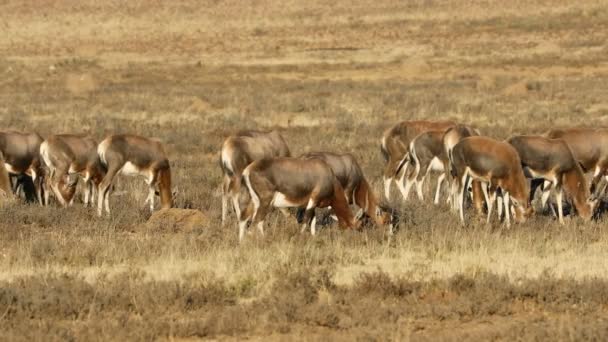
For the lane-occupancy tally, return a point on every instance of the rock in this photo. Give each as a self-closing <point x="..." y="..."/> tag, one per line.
<point x="177" y="220"/>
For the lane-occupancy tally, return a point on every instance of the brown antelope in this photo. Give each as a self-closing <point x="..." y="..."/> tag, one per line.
<point x="589" y="147"/>
<point x="451" y="137"/>
<point x="426" y="154"/>
<point x="240" y="150"/>
<point x="294" y="183"/>
<point x="134" y="155"/>
<point x="20" y="153"/>
<point x="553" y="161"/>
<point x="395" y="146"/>
<point x="356" y="188"/>
<point x="497" y="165"/>
<point x="67" y="156"/>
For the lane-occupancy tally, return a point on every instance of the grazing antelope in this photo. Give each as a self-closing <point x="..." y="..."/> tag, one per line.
<point x="134" y="155"/>
<point x="426" y="154"/>
<point x="395" y="146"/>
<point x="356" y="188"/>
<point x="20" y="153"/>
<point x="240" y="150"/>
<point x="553" y="161"/>
<point x="294" y="183"/>
<point x="67" y="156"/>
<point x="497" y="165"/>
<point x="589" y="147"/>
<point x="451" y="137"/>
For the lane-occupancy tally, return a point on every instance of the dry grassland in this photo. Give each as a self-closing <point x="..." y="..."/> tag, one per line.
<point x="331" y="75"/>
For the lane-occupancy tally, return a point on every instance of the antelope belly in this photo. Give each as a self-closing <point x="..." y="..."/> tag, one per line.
<point x="279" y="200"/>
<point x="129" y="169"/>
<point x="436" y="165"/>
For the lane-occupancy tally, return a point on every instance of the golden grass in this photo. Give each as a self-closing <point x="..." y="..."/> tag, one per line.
<point x="330" y="77"/>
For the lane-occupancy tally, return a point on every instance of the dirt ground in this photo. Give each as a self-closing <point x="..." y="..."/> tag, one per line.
<point x="330" y="76"/>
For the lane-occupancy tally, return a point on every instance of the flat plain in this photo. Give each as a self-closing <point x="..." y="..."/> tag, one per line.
<point x="330" y="76"/>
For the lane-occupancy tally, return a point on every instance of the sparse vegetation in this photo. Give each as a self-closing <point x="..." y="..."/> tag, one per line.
<point x="330" y="77"/>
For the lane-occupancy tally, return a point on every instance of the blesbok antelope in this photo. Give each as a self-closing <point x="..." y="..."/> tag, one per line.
<point x="134" y="155"/>
<point x="20" y="153"/>
<point x="553" y="161"/>
<point x="451" y="137"/>
<point x="357" y="190"/>
<point x="426" y="154"/>
<point x="240" y="150"/>
<point x="395" y="146"/>
<point x="294" y="183"/>
<point x="68" y="156"/>
<point x="497" y="165"/>
<point x="589" y="147"/>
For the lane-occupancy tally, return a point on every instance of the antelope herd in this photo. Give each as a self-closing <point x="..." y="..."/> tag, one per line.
<point x="260" y="173"/>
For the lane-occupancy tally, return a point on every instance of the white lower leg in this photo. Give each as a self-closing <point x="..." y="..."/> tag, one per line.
<point x="491" y="200"/>
<point x="499" y="206"/>
<point x="560" y="210"/>
<point x="107" y="201"/>
<point x="313" y="226"/>
<point x="150" y="198"/>
<point x="100" y="200"/>
<point x="438" y="190"/>
<point x="261" y="227"/>
<point x="460" y="201"/>
<point x="419" y="184"/>
<point x="454" y="194"/>
<point x="506" y="200"/>
<point x="87" y="193"/>
<point x="242" y="229"/>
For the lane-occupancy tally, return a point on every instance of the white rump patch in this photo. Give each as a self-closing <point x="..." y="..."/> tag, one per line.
<point x="101" y="150"/>
<point x="44" y="152"/>
<point x="279" y="200"/>
<point x="226" y="160"/>
<point x="450" y="142"/>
